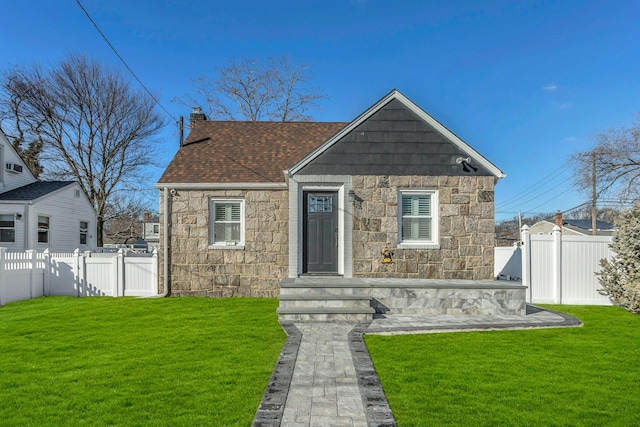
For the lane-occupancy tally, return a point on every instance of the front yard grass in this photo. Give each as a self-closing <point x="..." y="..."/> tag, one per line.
<point x="587" y="376"/>
<point x="139" y="362"/>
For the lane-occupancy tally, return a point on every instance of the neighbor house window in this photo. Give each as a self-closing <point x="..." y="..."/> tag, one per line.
<point x="227" y="222"/>
<point x="7" y="228"/>
<point x="418" y="222"/>
<point x="43" y="229"/>
<point x="84" y="232"/>
<point x="156" y="229"/>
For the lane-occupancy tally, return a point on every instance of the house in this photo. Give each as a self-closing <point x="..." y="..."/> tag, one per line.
<point x="151" y="230"/>
<point x="393" y="194"/>
<point x="572" y="227"/>
<point x="54" y="215"/>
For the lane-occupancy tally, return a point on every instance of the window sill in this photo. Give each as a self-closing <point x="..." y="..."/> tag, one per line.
<point x="218" y="246"/>
<point x="418" y="246"/>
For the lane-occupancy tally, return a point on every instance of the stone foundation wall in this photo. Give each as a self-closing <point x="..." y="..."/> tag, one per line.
<point x="466" y="215"/>
<point x="255" y="271"/>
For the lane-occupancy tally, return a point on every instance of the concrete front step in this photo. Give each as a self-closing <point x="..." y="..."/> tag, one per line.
<point x="328" y="301"/>
<point x="325" y="314"/>
<point x="312" y="289"/>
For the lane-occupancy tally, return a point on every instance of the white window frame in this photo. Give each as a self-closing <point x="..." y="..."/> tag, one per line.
<point x="13" y="217"/>
<point x="434" y="242"/>
<point x="84" y="231"/>
<point x="213" y="244"/>
<point x="38" y="230"/>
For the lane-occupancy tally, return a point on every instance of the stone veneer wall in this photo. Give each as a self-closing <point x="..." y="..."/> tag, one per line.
<point x="466" y="215"/>
<point x="255" y="271"/>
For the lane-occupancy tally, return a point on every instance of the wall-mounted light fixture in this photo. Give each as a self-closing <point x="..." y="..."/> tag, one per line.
<point x="466" y="164"/>
<point x="351" y="195"/>
<point x="18" y="216"/>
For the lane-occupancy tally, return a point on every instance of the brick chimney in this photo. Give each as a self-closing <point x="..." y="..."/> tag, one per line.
<point x="146" y="217"/>
<point x="196" y="116"/>
<point x="559" y="219"/>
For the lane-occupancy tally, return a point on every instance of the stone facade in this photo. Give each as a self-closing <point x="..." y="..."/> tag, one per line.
<point x="466" y="215"/>
<point x="252" y="271"/>
<point x="466" y="236"/>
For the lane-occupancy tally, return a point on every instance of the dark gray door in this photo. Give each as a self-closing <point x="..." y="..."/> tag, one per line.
<point x="320" y="232"/>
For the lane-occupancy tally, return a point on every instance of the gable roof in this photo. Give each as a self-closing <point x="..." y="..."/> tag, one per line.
<point x="421" y="114"/>
<point x="244" y="152"/>
<point x="34" y="190"/>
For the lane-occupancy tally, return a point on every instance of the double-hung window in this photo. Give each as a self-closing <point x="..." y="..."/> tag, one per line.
<point x="84" y="232"/>
<point x="227" y="222"/>
<point x="417" y="217"/>
<point x="43" y="229"/>
<point x="7" y="228"/>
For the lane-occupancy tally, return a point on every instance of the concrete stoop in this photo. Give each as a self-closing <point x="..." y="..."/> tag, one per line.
<point x="336" y="299"/>
<point x="323" y="301"/>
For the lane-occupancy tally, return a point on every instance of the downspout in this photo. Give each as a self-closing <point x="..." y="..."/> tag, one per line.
<point x="165" y="238"/>
<point x="26" y="218"/>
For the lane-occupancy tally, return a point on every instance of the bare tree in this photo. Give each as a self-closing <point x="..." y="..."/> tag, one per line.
<point x="28" y="146"/>
<point x="122" y="218"/>
<point x="612" y="165"/>
<point x="92" y="125"/>
<point x="248" y="89"/>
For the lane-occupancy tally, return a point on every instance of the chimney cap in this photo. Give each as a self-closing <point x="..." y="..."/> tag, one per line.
<point x="196" y="109"/>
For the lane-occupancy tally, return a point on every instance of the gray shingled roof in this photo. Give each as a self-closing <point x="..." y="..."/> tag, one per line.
<point x="34" y="190"/>
<point x="586" y="224"/>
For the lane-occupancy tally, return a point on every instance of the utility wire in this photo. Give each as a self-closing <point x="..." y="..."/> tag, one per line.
<point x="123" y="61"/>
<point x="536" y="186"/>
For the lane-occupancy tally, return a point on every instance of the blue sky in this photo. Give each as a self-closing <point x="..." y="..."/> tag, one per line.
<point x="526" y="83"/>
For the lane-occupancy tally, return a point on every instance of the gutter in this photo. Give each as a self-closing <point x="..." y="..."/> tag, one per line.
<point x="165" y="241"/>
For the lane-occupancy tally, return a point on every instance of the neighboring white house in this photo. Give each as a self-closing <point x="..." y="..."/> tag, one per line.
<point x="151" y="230"/>
<point x="54" y="215"/>
<point x="572" y="227"/>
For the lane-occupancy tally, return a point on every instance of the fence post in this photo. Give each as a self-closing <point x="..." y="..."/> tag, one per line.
<point x="525" y="235"/>
<point x="76" y="271"/>
<point x="2" y="273"/>
<point x="46" y="258"/>
<point x="119" y="291"/>
<point x="31" y="256"/>
<point x="556" y="264"/>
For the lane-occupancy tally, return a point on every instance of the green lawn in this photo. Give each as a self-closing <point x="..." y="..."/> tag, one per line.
<point x="587" y="376"/>
<point x="145" y="362"/>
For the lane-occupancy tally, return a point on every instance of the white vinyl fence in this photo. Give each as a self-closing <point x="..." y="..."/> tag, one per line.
<point x="32" y="274"/>
<point x="557" y="268"/>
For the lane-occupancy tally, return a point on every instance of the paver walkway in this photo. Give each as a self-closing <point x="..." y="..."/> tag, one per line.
<point x="324" y="389"/>
<point x="325" y="377"/>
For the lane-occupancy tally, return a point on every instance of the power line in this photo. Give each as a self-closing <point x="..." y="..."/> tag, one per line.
<point x="534" y="187"/>
<point x="123" y="61"/>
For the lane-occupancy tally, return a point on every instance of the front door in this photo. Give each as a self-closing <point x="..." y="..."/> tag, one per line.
<point x="320" y="232"/>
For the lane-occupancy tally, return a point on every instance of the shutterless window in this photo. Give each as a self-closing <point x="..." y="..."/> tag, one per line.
<point x="84" y="232"/>
<point x="43" y="229"/>
<point x="227" y="222"/>
<point x="417" y="218"/>
<point x="7" y="228"/>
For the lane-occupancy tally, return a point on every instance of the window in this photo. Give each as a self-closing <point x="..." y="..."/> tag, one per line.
<point x="84" y="231"/>
<point x="7" y="228"/>
<point x="227" y="225"/>
<point x="43" y="229"/>
<point x="156" y="229"/>
<point x="418" y="224"/>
